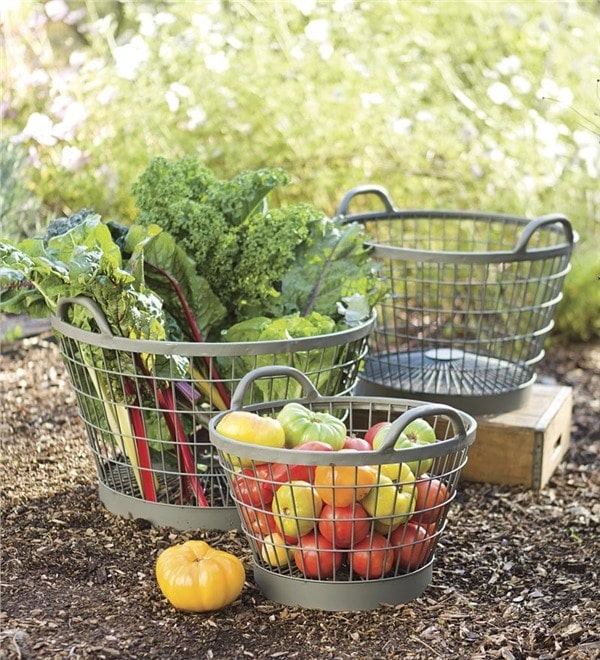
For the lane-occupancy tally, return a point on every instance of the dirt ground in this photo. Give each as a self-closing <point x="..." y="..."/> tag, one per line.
<point x="515" y="576"/>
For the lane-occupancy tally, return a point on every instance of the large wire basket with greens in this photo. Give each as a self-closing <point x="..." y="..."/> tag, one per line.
<point x="158" y="319"/>
<point x="146" y="406"/>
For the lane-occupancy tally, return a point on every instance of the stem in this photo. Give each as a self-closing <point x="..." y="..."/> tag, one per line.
<point x="167" y="402"/>
<point x="141" y="445"/>
<point x="213" y="374"/>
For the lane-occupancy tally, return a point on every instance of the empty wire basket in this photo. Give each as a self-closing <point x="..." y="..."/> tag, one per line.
<point x="471" y="302"/>
<point x="346" y="530"/>
<point x="146" y="407"/>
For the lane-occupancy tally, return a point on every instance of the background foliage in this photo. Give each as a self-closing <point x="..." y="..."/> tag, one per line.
<point x="480" y="105"/>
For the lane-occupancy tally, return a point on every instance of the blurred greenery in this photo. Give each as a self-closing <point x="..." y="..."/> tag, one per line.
<point x="480" y="105"/>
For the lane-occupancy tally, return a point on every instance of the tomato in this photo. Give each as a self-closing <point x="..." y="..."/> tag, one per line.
<point x="356" y="443"/>
<point x="303" y="425"/>
<point x="432" y="498"/>
<point x="195" y="577"/>
<point x="372" y="557"/>
<point x="342" y="485"/>
<point x="316" y="557"/>
<point x="344" y="526"/>
<point x="296" y="507"/>
<point x="412" y="544"/>
<point x="275" y="551"/>
<point x="250" y="490"/>
<point x="373" y="430"/>
<point x="257" y="523"/>
<point x="250" y="428"/>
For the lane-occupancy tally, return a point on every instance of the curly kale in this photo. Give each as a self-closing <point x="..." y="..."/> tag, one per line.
<point x="240" y="247"/>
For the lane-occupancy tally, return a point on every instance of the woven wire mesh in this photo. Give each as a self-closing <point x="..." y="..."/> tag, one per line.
<point x="146" y="406"/>
<point x="468" y="312"/>
<point x="292" y="542"/>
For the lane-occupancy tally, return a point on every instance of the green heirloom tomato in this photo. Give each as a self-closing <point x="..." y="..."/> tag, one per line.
<point x="304" y="425"/>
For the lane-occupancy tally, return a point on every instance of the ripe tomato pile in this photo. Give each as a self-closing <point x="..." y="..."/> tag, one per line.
<point x="336" y="521"/>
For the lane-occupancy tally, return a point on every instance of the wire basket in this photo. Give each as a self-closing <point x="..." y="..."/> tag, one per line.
<point x="345" y="530"/>
<point x="146" y="407"/>
<point x="471" y="301"/>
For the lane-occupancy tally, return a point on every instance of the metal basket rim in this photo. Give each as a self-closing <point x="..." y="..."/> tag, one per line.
<point x="444" y="447"/>
<point x="213" y="349"/>
<point x="451" y="256"/>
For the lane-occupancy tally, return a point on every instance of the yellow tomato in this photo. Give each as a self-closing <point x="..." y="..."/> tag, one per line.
<point x="195" y="577"/>
<point x="250" y="428"/>
<point x="342" y="485"/>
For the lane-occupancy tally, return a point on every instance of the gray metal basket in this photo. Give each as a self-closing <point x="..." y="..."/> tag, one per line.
<point x="472" y="299"/>
<point x="339" y="584"/>
<point x="146" y="407"/>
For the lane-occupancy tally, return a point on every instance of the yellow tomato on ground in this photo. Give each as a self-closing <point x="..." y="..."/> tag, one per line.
<point x="196" y="577"/>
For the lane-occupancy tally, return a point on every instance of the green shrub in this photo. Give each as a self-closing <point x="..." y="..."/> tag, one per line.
<point x="413" y="96"/>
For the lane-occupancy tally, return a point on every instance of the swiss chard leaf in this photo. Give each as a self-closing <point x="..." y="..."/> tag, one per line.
<point x="164" y="267"/>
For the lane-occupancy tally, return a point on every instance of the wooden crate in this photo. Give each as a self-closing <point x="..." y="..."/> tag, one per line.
<point x="523" y="447"/>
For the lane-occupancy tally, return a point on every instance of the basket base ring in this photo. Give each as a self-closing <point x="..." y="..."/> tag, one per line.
<point x="342" y="596"/>
<point x="182" y="518"/>
<point x="476" y="405"/>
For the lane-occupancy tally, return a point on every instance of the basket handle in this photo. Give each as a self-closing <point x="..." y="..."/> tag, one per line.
<point x="64" y="303"/>
<point x="310" y="392"/>
<point x="542" y="221"/>
<point x="426" y="410"/>
<point x="368" y="189"/>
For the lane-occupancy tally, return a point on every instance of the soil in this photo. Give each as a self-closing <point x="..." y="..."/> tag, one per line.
<point x="515" y="575"/>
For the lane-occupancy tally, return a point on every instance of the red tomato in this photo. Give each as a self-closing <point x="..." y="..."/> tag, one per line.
<point x="250" y="490"/>
<point x="280" y="473"/>
<point x="308" y="471"/>
<point x="372" y="558"/>
<point x="372" y="432"/>
<point x="316" y="558"/>
<point x="258" y="523"/>
<point x="344" y="526"/>
<point x="356" y="443"/>
<point x="432" y="498"/>
<point x="412" y="544"/>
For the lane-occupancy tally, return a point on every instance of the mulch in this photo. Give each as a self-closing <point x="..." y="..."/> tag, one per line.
<point x="515" y="575"/>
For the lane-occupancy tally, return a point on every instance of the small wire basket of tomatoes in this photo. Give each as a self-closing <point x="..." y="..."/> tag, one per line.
<point x="343" y="500"/>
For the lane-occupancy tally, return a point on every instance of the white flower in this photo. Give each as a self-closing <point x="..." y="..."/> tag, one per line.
<point x="164" y="18"/>
<point x="73" y="115"/>
<point x="369" y="99"/>
<point x="129" y="57"/>
<point x="305" y="7"/>
<point x="401" y="125"/>
<point x="39" y="128"/>
<point x="217" y="62"/>
<point x="72" y="158"/>
<point x="196" y="117"/>
<point x="499" y="93"/>
<point x="521" y="84"/>
<point x="509" y="65"/>
<point x="341" y="6"/>
<point x="107" y="95"/>
<point x="172" y="100"/>
<point x="550" y="90"/>
<point x="326" y="51"/>
<point x="317" y="30"/>
<point x="56" y="10"/>
<point x="588" y="151"/>
<point x="425" y="115"/>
